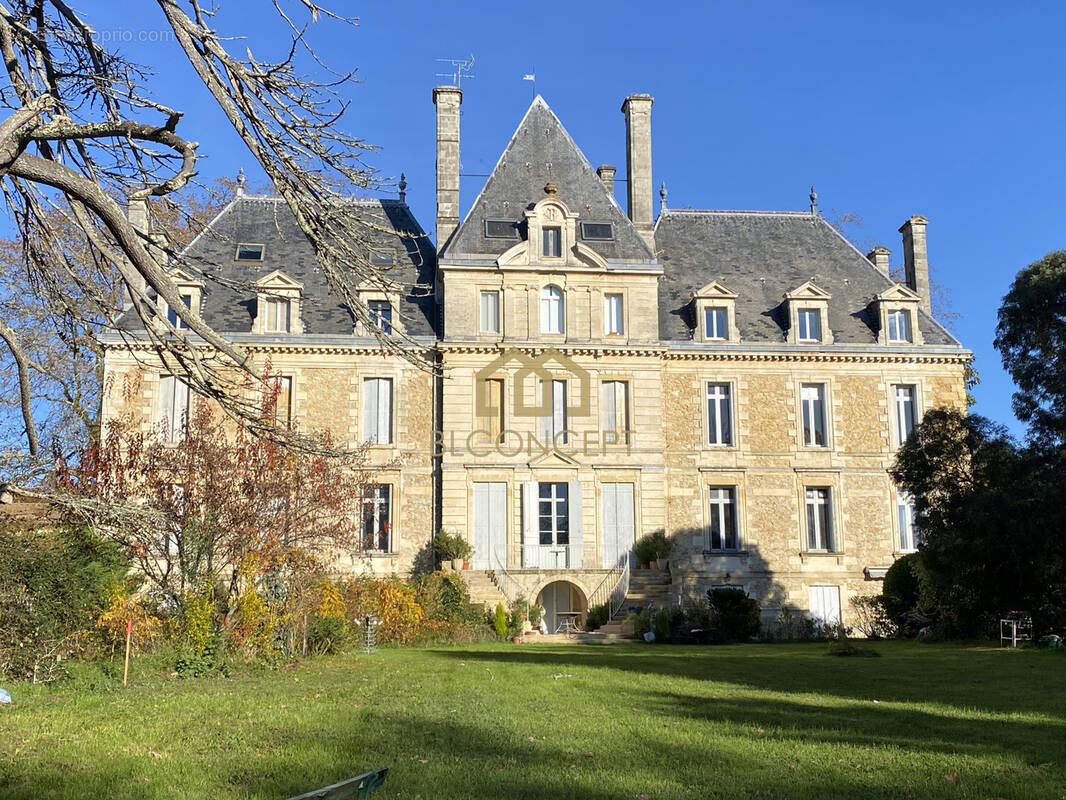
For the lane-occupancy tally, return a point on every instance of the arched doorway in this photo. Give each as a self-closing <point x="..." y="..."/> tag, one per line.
<point x="561" y="599"/>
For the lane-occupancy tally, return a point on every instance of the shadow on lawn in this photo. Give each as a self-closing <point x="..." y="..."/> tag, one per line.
<point x="992" y="680"/>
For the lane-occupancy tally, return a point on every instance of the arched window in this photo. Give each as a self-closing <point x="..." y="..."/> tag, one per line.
<point x="551" y="310"/>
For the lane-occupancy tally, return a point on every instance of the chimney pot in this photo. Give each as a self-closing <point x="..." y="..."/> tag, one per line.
<point x="447" y="99"/>
<point x="916" y="259"/>
<point x="879" y="258"/>
<point x="606" y="173"/>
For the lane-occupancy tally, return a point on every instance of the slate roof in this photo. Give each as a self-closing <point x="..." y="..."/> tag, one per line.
<point x="540" y="151"/>
<point x="268" y="221"/>
<point x="760" y="256"/>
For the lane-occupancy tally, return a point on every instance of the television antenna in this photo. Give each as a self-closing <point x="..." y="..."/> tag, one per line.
<point x="460" y="69"/>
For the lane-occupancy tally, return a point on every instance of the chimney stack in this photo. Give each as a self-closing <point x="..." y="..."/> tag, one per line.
<point x="606" y="173"/>
<point x="879" y="258"/>
<point x="637" y="109"/>
<point x="447" y="99"/>
<point x="916" y="259"/>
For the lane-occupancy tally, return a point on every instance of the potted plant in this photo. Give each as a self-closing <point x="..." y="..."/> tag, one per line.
<point x="664" y="547"/>
<point x="452" y="549"/>
<point x="536" y="615"/>
<point x="645" y="551"/>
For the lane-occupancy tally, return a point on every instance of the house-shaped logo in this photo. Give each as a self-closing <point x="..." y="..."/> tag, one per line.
<point x="538" y="367"/>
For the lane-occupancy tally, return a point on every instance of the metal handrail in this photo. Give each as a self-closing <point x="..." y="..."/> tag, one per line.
<point x="500" y="572"/>
<point x="613" y="597"/>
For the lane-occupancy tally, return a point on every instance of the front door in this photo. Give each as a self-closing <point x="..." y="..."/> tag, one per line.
<point x="616" y="500"/>
<point x="490" y="525"/>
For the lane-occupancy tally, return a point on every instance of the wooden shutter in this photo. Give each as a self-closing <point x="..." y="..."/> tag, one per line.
<point x="576" y="554"/>
<point x="609" y="503"/>
<point x="482" y="542"/>
<point x="546" y="423"/>
<point x="166" y="407"/>
<point x="370" y="410"/>
<point x="625" y="516"/>
<point x="384" y="411"/>
<point x="530" y="529"/>
<point x="559" y="408"/>
<point x="498" y="523"/>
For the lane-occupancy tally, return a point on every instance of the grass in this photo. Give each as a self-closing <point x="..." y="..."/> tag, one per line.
<point x="546" y="721"/>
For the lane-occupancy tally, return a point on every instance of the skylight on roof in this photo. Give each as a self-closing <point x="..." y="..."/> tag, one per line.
<point x="501" y="229"/>
<point x="249" y="252"/>
<point x="597" y="231"/>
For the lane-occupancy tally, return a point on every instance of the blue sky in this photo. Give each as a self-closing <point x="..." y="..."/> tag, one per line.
<point x="952" y="110"/>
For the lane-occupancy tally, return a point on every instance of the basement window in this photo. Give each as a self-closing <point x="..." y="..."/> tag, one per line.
<point x="501" y="229"/>
<point x="597" y="231"/>
<point x="249" y="252"/>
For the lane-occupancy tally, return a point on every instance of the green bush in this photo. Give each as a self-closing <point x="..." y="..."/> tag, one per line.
<point x="661" y="627"/>
<point x="736" y="616"/>
<point x="871" y="618"/>
<point x="449" y="546"/>
<point x="499" y="622"/>
<point x="655" y="546"/>
<point x="327" y="635"/>
<point x="445" y="598"/>
<point x="597" y="616"/>
<point x="900" y="594"/>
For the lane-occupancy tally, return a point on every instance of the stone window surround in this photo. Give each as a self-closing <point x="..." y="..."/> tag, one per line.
<point x="604" y="291"/>
<point x="501" y="314"/>
<point x="808" y="296"/>
<point x="387" y="477"/>
<point x="713" y="295"/>
<point x="278" y="286"/>
<point x="711" y="478"/>
<point x="890" y="392"/>
<point x="814" y="479"/>
<point x="368" y="294"/>
<point x="898" y="298"/>
<point x="826" y="382"/>
<point x="385" y="451"/>
<point x="705" y="433"/>
<point x="894" y="499"/>
<point x="186" y="285"/>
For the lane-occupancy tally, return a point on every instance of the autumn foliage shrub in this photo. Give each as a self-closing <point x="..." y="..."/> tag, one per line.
<point x="388" y="600"/>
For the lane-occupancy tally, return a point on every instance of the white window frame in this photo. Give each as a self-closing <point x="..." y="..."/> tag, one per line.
<point x="824" y="541"/>
<point x="717" y="415"/>
<point x="719" y="499"/>
<point x="803" y="320"/>
<point x="614" y="411"/>
<point x="372" y="498"/>
<point x="552" y="309"/>
<point x="489" y="311"/>
<point x="901" y="416"/>
<point x="272" y="320"/>
<point x="895" y="334"/>
<point x="382" y="322"/>
<point x="716" y="323"/>
<point x="551" y="240"/>
<point x="175" y="321"/>
<point x="284" y="387"/>
<point x="377" y="410"/>
<point x="559" y="509"/>
<point x="555" y="424"/>
<point x="908" y="535"/>
<point x="613" y="314"/>
<point x="814" y="404"/>
<point x="175" y="396"/>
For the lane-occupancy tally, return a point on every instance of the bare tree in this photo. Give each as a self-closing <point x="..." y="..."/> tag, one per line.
<point x="83" y="134"/>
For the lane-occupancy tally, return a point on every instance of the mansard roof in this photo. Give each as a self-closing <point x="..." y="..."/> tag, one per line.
<point x="541" y="151"/>
<point x="762" y="256"/>
<point x="229" y="299"/>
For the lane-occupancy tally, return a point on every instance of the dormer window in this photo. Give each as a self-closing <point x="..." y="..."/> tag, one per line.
<point x="553" y="242"/>
<point x="278" y="304"/>
<point x="249" y="252"/>
<point x="810" y="325"/>
<point x="172" y="315"/>
<point x="278" y="315"/>
<point x="551" y="310"/>
<point x="381" y="315"/>
<point x="716" y="323"/>
<point x="899" y="327"/>
<point x="190" y="290"/>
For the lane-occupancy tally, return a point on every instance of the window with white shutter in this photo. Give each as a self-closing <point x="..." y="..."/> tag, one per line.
<point x="614" y="411"/>
<point x="555" y="425"/>
<point x="377" y="410"/>
<point x="173" y="408"/>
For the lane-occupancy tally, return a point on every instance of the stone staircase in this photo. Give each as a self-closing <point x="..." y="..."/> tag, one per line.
<point x="647" y="587"/>
<point x="482" y="589"/>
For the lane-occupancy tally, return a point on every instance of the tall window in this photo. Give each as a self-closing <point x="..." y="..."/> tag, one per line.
<point x="173" y="408"/>
<point x="493" y="425"/>
<point x="381" y="315"/>
<point x="551" y="310"/>
<point x="612" y="315"/>
<point x="908" y="535"/>
<point x="552" y="242"/>
<point x="906" y="408"/>
<point x="555" y="425"/>
<point x="899" y="326"/>
<point x="553" y="513"/>
<point x="719" y="414"/>
<point x="813" y="406"/>
<point x="377" y="517"/>
<point x="614" y="411"/>
<point x="172" y="315"/>
<point x="377" y="410"/>
<point x="716" y="323"/>
<point x="810" y="324"/>
<point x="278" y="410"/>
<point x="820" y="519"/>
<point x="490" y="312"/>
<point x="722" y="534"/>
<point x="278" y="313"/>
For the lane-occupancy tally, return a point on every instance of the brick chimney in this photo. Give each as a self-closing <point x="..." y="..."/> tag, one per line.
<point x="606" y="173"/>
<point x="916" y="259"/>
<point x="637" y="109"/>
<point x="879" y="258"/>
<point x="447" y="99"/>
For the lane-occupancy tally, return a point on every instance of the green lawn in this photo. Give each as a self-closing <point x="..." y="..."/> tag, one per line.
<point x="545" y="721"/>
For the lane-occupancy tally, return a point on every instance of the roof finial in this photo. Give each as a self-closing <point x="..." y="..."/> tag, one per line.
<point x="550" y="189"/>
<point x="662" y="197"/>
<point x="403" y="188"/>
<point x="240" y="182"/>
<point x="814" y="203"/>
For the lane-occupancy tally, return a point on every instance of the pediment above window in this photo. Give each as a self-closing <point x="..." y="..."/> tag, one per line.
<point x="897" y="314"/>
<point x="808" y="291"/>
<point x="899" y="292"/>
<point x="808" y="315"/>
<point x="714" y="307"/>
<point x="714" y="291"/>
<point x="278" y="280"/>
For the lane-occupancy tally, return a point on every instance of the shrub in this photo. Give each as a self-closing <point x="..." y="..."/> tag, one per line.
<point x="653" y="547"/>
<point x="390" y="601"/>
<point x="444" y="597"/>
<point x="326" y="635"/>
<point x="901" y="593"/>
<point x="449" y="546"/>
<point x="736" y="615"/>
<point x="536" y="614"/>
<point x="597" y="616"/>
<point x="871" y="618"/>
<point x="661" y="626"/>
<point x="499" y="622"/>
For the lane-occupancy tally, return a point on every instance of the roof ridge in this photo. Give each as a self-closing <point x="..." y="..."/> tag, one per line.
<point x="738" y="212"/>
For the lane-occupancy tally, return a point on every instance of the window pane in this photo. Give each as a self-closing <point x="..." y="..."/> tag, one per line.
<point x="490" y="312"/>
<point x="612" y="313"/>
<point x="553" y="247"/>
<point x="714" y="320"/>
<point x="719" y="414"/>
<point x="381" y="315"/>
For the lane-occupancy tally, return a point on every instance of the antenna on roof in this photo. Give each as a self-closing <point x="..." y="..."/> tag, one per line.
<point x="814" y="203"/>
<point x="460" y="69"/>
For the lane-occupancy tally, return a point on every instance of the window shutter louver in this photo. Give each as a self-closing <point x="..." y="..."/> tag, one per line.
<point x="576" y="548"/>
<point x="530" y="533"/>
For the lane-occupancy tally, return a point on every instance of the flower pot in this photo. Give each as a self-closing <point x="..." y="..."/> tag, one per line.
<point x="653" y="565"/>
<point x="516" y="640"/>
<point x="457" y="564"/>
<point x="445" y="566"/>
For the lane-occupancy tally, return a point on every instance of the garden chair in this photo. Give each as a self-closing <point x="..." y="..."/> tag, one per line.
<point x="352" y="789"/>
